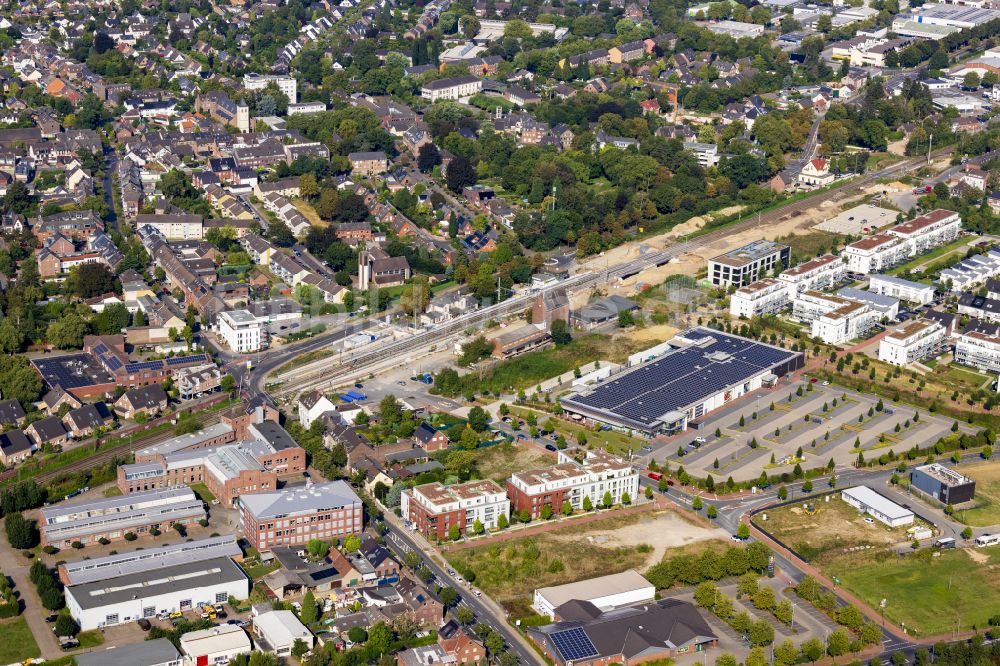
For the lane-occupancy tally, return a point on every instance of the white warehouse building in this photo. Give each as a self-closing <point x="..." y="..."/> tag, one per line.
<point x="866" y="500"/>
<point x="605" y="592"/>
<point x="144" y="594"/>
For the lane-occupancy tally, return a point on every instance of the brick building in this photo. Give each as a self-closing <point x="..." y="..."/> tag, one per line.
<point x="434" y="509"/>
<point x="293" y="516"/>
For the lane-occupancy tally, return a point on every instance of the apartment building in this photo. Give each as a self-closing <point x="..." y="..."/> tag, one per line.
<point x="904" y="290"/>
<point x="175" y="226"/>
<point x="572" y="481"/>
<point x="293" y="516"/>
<point x="847" y="322"/>
<point x="368" y="164"/>
<point x="749" y="263"/>
<point x="286" y="84"/>
<point x="454" y="88"/>
<point x="763" y="297"/>
<point x="979" y="346"/>
<point x="434" y="508"/>
<point x="928" y="231"/>
<point x="241" y="331"/>
<point x="971" y="271"/>
<point x="911" y="342"/>
<point x="875" y="253"/>
<point x="707" y="153"/>
<point x="809" y="306"/>
<point x="816" y="274"/>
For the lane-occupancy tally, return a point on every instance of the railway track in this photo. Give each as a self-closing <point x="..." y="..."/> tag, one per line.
<point x="104" y="456"/>
<point x="321" y="374"/>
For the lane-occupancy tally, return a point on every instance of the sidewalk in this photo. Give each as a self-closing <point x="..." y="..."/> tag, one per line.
<point x="15" y="566"/>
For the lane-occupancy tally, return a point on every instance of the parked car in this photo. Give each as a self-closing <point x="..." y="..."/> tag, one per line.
<point x="700" y="440"/>
<point x="144" y="624"/>
<point x="551" y="447"/>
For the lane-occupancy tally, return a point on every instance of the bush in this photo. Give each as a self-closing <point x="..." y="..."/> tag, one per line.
<point x="21" y="532"/>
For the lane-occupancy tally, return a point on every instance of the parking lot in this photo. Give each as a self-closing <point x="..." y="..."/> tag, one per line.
<point x="812" y="422"/>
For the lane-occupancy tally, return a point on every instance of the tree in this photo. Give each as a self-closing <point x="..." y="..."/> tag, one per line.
<point x="503" y="522"/>
<point x="838" y="643"/>
<point x="460" y="174"/>
<point x="696" y="503"/>
<point x="812" y="649"/>
<point x="299" y="648"/>
<point x="21" y="532"/>
<point x="352" y="543"/>
<point x="93" y="280"/>
<point x="567" y="508"/>
<point x="971" y="80"/>
<point x="607" y="500"/>
<point x="783" y="613"/>
<point x="560" y="333"/>
<point x="454" y="533"/>
<point x="967" y="533"/>
<point x="479" y="420"/>
<point x="380" y="637"/>
<point x="112" y="319"/>
<point x="428" y="157"/>
<point x="587" y="504"/>
<point x="782" y="493"/>
<point x="726" y="659"/>
<point x="712" y="512"/>
<point x="66" y="626"/>
<point x="786" y="653"/>
<point x="317" y="548"/>
<point x="449" y="597"/>
<point x="761" y="633"/>
<point x="310" y="610"/>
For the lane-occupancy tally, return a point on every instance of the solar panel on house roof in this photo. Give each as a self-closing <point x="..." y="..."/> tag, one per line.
<point x="574" y="644"/>
<point x="179" y="360"/>
<point x="113" y="363"/>
<point x="100" y="349"/>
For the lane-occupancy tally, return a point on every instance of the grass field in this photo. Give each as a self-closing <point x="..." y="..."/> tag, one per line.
<point x="512" y="569"/>
<point x="498" y="462"/>
<point x="90" y="639"/>
<point x="904" y="269"/>
<point x="616" y="442"/>
<point x="18" y="644"/>
<point x="302" y="359"/>
<point x="932" y="595"/>
<point x="987" y="510"/>
<point x="203" y="493"/>
<point x="825" y="534"/>
<point x="807" y="246"/>
<point x="963" y="377"/>
<point x="527" y="371"/>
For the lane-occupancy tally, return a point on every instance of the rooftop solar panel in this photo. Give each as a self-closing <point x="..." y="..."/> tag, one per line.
<point x="100" y="349"/>
<point x="113" y="363"/>
<point x="574" y="644"/>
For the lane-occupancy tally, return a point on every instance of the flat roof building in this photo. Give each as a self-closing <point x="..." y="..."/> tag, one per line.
<point x="705" y="370"/>
<point x="113" y="517"/>
<point x="145" y="594"/>
<point x="434" y="508"/>
<point x="216" y="645"/>
<point x="158" y="652"/>
<point x="605" y="592"/>
<point x="293" y="516"/>
<point x="148" y="559"/>
<point x="749" y="263"/>
<point x="943" y="484"/>
<point x="866" y="500"/>
<point x="277" y="632"/>
<point x="904" y="290"/>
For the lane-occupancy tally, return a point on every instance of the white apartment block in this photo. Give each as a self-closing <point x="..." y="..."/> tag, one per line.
<point x="286" y="84"/>
<point x="884" y="250"/>
<point x="434" y="508"/>
<point x="928" y="231"/>
<point x="707" y="153"/>
<point x="240" y="330"/>
<point x="845" y="323"/>
<point x="819" y="273"/>
<point x="904" y="290"/>
<point x="875" y="253"/>
<point x="570" y="481"/>
<point x="979" y="349"/>
<point x="749" y="263"/>
<point x="911" y="342"/>
<point x="763" y="297"/>
<point x="456" y="88"/>
<point x="809" y="306"/>
<point x="971" y="272"/>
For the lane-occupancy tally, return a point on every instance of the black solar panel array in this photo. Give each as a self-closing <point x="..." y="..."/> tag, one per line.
<point x="683" y="377"/>
<point x="112" y="362"/>
<point x="143" y="365"/>
<point x="574" y="644"/>
<point x="181" y="360"/>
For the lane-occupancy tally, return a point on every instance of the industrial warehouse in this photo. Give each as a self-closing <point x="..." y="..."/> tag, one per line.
<point x="702" y="370"/>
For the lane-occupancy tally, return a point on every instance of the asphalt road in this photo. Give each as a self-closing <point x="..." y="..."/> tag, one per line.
<point x="401" y="542"/>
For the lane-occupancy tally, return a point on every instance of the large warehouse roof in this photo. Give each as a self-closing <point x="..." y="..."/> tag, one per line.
<point x="707" y="362"/>
<point x="152" y="583"/>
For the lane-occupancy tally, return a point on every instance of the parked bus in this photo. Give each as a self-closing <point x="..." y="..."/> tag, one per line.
<point x="987" y="540"/>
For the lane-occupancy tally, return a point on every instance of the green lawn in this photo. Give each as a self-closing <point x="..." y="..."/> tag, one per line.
<point x="90" y="639"/>
<point x="18" y="644"/>
<point x="904" y="269"/>
<point x="203" y="493"/>
<point x="987" y="509"/>
<point x="614" y="441"/>
<point x="258" y="571"/>
<point x="966" y="377"/>
<point x="806" y="246"/>
<point x="932" y="595"/>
